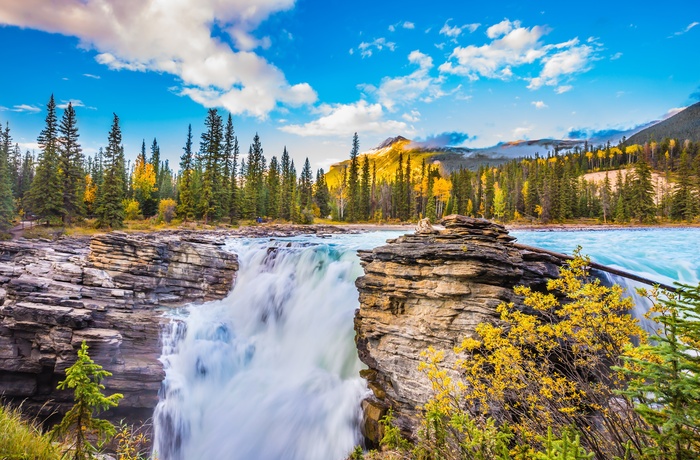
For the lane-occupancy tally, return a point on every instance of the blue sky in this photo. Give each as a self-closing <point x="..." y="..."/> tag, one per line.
<point x="309" y="73"/>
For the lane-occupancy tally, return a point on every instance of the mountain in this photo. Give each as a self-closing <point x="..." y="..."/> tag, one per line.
<point x="683" y="125"/>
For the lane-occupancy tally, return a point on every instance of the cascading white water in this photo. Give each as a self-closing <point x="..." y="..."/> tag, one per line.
<point x="270" y="372"/>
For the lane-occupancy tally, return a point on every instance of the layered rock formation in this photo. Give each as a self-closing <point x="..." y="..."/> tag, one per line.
<point x="107" y="291"/>
<point x="431" y="289"/>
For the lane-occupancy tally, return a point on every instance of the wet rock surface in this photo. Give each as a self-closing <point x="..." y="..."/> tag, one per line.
<point x="431" y="289"/>
<point x="109" y="290"/>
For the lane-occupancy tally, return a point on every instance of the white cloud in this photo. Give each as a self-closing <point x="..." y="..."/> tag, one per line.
<point x="502" y="28"/>
<point x="573" y="60"/>
<point x="29" y="146"/>
<point x="616" y="56"/>
<point x="412" y="117"/>
<point x="455" y="31"/>
<point x="366" y="49"/>
<point x="563" y="89"/>
<point x="345" y="119"/>
<point x="418" y="85"/>
<point x="89" y="75"/>
<point x="686" y="30"/>
<point x="539" y="104"/>
<point x="176" y="38"/>
<point x="408" y="25"/>
<point x="521" y="132"/>
<point x="22" y="108"/>
<point x="513" y="45"/>
<point x="76" y="103"/>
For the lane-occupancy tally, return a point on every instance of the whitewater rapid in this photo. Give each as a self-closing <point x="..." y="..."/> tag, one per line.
<point x="271" y="371"/>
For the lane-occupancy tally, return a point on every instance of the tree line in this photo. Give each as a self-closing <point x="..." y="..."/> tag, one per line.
<point x="218" y="183"/>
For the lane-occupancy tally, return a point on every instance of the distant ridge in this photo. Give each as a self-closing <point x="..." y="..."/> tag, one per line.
<point x="390" y="141"/>
<point x="683" y="125"/>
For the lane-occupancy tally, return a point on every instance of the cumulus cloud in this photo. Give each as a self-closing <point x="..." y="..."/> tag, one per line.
<point x="412" y="117"/>
<point x="513" y="45"/>
<point x="176" y="38"/>
<point x="366" y="49"/>
<point x="446" y="139"/>
<point x="539" y="104"/>
<point x="345" y="119"/>
<point x="563" y="89"/>
<point x="521" y="132"/>
<point x="76" y="103"/>
<point x="455" y="31"/>
<point x="418" y="85"/>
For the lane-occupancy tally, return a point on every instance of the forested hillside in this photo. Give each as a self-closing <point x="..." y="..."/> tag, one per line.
<point x="216" y="182"/>
<point x="683" y="125"/>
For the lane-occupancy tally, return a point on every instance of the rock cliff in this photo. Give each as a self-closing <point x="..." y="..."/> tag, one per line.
<point x="431" y="289"/>
<point x="108" y="291"/>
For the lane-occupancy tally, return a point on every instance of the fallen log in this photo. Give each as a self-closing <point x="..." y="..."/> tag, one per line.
<point x="600" y="267"/>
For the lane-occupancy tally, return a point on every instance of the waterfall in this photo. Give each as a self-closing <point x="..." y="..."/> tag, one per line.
<point x="271" y="371"/>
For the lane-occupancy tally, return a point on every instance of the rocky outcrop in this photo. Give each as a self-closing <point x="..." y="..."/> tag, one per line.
<point x="431" y="289"/>
<point x="108" y="291"/>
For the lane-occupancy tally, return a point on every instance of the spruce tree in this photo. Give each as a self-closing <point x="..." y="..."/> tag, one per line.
<point x="287" y="188"/>
<point x="71" y="164"/>
<point x="365" y="189"/>
<point x="46" y="194"/>
<point x="254" y="180"/>
<point x="273" y="189"/>
<point x="354" y="181"/>
<point x="186" y="205"/>
<point x="226" y="194"/>
<point x="322" y="196"/>
<point x="110" y="210"/>
<point x="306" y="186"/>
<point x="643" y="193"/>
<point x="210" y="153"/>
<point x="236" y="203"/>
<point x="684" y="202"/>
<point x="7" y="207"/>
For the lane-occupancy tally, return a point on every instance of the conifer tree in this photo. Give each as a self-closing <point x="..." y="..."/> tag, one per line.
<point x="684" y="202"/>
<point x="7" y="208"/>
<point x="186" y="204"/>
<point x="306" y="186"/>
<point x="226" y="194"/>
<point x="110" y="211"/>
<point x="322" y="196"/>
<point x="287" y="188"/>
<point x="46" y="194"/>
<point x="643" y="193"/>
<point x="254" y="180"/>
<point x="71" y="164"/>
<point x="210" y="152"/>
<point x="354" y="181"/>
<point x="79" y="427"/>
<point x="235" y="209"/>
<point x="430" y="210"/>
<point x="273" y="189"/>
<point x="365" y="189"/>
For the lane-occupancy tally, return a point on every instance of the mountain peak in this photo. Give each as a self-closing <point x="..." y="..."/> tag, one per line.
<point x="391" y="141"/>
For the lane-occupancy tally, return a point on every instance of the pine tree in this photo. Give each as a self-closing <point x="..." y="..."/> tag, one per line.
<point x="254" y="180"/>
<point x="273" y="189"/>
<point x="684" y="202"/>
<point x="71" y="163"/>
<point x="606" y="198"/>
<point x="227" y="177"/>
<point x="210" y="153"/>
<point x="665" y="377"/>
<point x="7" y="206"/>
<point x="110" y="211"/>
<point x="354" y="181"/>
<point x="306" y="186"/>
<point x="46" y="193"/>
<point x="79" y="427"/>
<point x="287" y="188"/>
<point x="643" y="193"/>
<point x="186" y="205"/>
<point x="322" y="196"/>
<point x="236" y="202"/>
<point x="365" y="190"/>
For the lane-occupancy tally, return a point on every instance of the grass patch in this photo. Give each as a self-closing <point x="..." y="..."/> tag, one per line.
<point x="22" y="439"/>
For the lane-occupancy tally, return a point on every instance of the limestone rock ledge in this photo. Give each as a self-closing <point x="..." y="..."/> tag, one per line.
<point x="431" y="289"/>
<point x="108" y="291"/>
